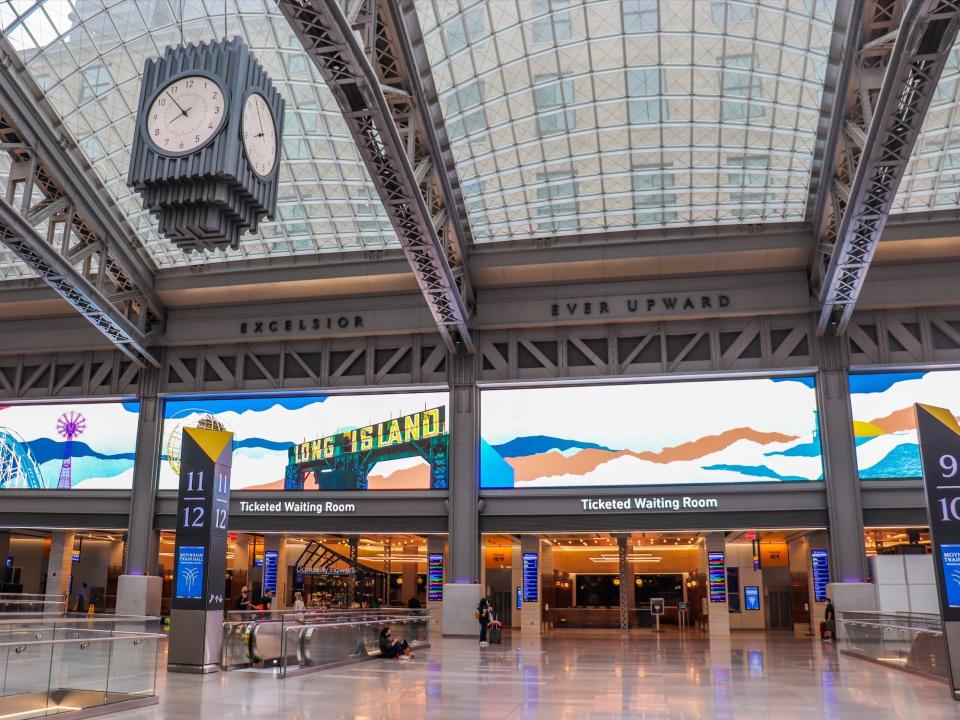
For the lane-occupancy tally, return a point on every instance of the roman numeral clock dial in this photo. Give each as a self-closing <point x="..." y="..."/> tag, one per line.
<point x="185" y="114"/>
<point x="259" y="135"/>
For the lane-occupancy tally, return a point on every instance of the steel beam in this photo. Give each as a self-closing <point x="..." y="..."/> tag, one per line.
<point x="385" y="132"/>
<point x="89" y="256"/>
<point x="71" y="285"/>
<point x="889" y="116"/>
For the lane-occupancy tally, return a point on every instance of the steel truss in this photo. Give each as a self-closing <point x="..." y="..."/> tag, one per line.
<point x="899" y="62"/>
<point x="924" y="337"/>
<point x="387" y="98"/>
<point x="58" y="224"/>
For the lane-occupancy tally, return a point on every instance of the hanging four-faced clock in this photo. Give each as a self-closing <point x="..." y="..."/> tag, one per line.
<point x="206" y="150"/>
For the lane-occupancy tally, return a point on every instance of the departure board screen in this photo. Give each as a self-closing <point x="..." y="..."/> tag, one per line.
<point x="435" y="577"/>
<point x="717" y="577"/>
<point x="270" y="571"/>
<point x="531" y="571"/>
<point x="821" y="574"/>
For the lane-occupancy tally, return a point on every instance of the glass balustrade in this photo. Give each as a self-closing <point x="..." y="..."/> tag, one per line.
<point x="909" y="641"/>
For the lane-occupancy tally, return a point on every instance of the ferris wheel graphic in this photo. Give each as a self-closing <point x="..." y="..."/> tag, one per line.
<point x="69" y="426"/>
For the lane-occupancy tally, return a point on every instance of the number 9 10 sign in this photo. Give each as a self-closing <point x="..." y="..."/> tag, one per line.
<point x="939" y="436"/>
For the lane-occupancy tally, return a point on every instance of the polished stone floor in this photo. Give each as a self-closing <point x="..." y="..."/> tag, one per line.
<point x="576" y="674"/>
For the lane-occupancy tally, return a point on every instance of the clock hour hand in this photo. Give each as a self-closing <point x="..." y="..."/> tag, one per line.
<point x="259" y="119"/>
<point x="182" y="111"/>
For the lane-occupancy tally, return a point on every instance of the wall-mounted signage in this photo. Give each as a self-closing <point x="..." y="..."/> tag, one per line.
<point x="531" y="577"/>
<point x="76" y="556"/>
<point x="820" y="561"/>
<point x="649" y="305"/>
<point x="733" y="431"/>
<point x="325" y="571"/>
<point x="435" y="577"/>
<point x="658" y="503"/>
<point x="751" y="597"/>
<point x="519" y="598"/>
<point x="294" y="507"/>
<point x="717" y="577"/>
<point x="302" y="325"/>
<point x="270" y="571"/>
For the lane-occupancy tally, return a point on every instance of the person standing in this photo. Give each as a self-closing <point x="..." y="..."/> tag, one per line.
<point x="484" y="615"/>
<point x="299" y="605"/>
<point x="81" y="598"/>
<point x="243" y="602"/>
<point x="830" y="618"/>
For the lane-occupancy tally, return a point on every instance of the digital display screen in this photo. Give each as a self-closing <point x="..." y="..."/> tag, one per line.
<point x="884" y="422"/>
<point x="751" y="597"/>
<point x="821" y="574"/>
<point x="717" y="577"/>
<point x="9" y="562"/>
<point x="435" y="577"/>
<point x="710" y="432"/>
<point x="519" y="598"/>
<point x="950" y="559"/>
<point x="68" y="446"/>
<point x="76" y="556"/>
<point x="190" y="568"/>
<point x="377" y="441"/>
<point x="531" y="577"/>
<point x="270" y="571"/>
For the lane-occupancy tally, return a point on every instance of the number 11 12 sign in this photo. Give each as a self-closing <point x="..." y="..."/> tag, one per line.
<point x="203" y="517"/>
<point x="939" y="436"/>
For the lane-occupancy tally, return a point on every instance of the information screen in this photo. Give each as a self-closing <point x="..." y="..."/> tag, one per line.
<point x="435" y="577"/>
<point x="821" y="574"/>
<point x="270" y="571"/>
<point x="519" y="598"/>
<point x="531" y="573"/>
<point x="190" y="572"/>
<point x="751" y="597"/>
<point x="716" y="575"/>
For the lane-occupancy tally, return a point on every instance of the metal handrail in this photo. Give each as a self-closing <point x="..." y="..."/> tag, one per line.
<point x="68" y="641"/>
<point x="300" y="626"/>
<point x="77" y="618"/>
<point x="867" y="623"/>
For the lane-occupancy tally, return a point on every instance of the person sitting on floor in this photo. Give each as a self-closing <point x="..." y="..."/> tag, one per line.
<point x="390" y="648"/>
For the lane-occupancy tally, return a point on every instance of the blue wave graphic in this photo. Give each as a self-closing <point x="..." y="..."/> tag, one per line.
<point x="810" y="449"/>
<point x="901" y="462"/>
<point x="759" y="471"/>
<point x="536" y="444"/>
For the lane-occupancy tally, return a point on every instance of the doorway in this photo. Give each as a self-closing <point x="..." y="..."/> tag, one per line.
<point x="780" y="613"/>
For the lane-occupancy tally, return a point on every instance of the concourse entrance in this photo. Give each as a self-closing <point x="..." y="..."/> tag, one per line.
<point x="330" y="571"/>
<point x="718" y="581"/>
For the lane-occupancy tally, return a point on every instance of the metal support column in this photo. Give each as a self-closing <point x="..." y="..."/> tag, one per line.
<point x="626" y="584"/>
<point x="142" y="538"/>
<point x="848" y="558"/>
<point x="464" y="433"/>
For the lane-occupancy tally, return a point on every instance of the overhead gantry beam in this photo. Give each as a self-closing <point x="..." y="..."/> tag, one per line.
<point x="60" y="225"/>
<point x="386" y="103"/>
<point x="902" y="50"/>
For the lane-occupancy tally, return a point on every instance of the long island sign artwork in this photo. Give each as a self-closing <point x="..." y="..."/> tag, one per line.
<point x="343" y="461"/>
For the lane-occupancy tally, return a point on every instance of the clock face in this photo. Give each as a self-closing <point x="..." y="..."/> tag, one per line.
<point x="185" y="114"/>
<point x="259" y="134"/>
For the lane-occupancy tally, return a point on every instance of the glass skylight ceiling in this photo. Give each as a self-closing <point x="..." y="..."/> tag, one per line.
<point x="573" y="116"/>
<point x="932" y="178"/>
<point x="88" y="56"/>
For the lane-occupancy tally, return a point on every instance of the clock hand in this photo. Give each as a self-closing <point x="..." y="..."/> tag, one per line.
<point x="184" y="112"/>
<point x="257" y="106"/>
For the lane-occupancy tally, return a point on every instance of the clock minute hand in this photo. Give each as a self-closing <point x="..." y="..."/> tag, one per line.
<point x="182" y="111"/>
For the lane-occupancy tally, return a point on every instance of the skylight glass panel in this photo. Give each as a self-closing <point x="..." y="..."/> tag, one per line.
<point x="684" y="89"/>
